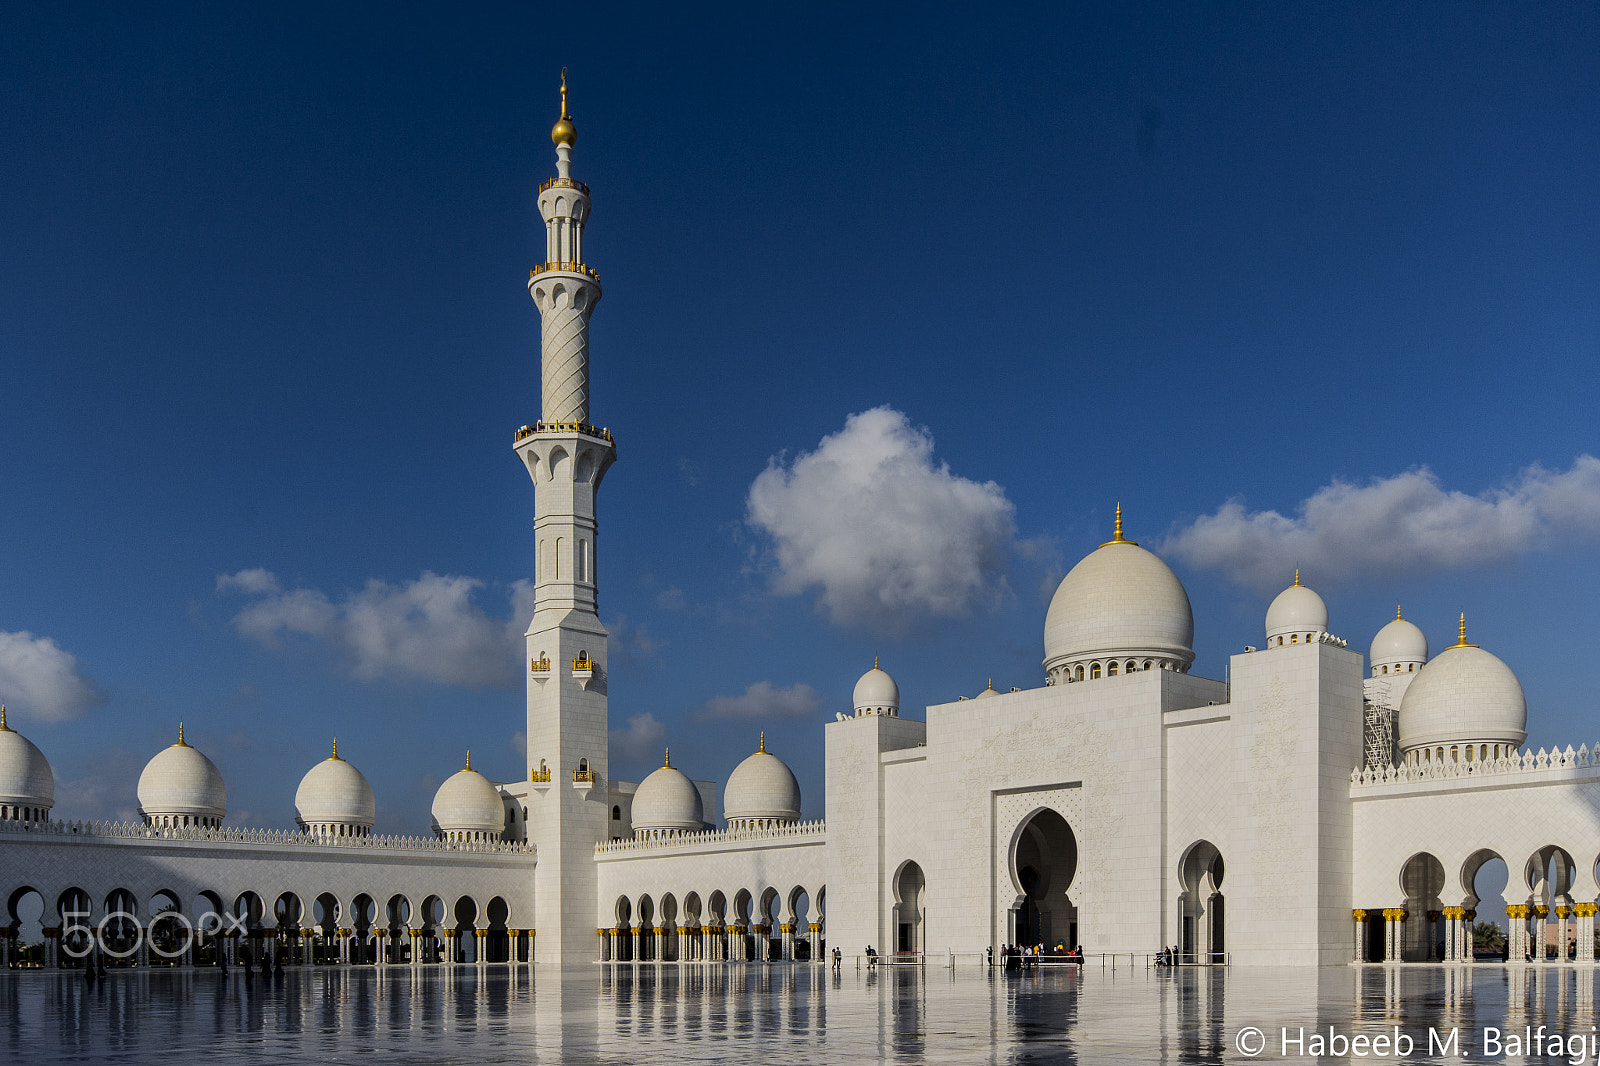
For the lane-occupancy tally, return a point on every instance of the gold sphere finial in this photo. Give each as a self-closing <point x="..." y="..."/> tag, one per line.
<point x="3" y="727"/>
<point x="1297" y="576"/>
<point x="180" y="743"/>
<point x="1397" y="612"/>
<point x="467" y="767"/>
<point x="1461" y="639"/>
<point x="667" y="759"/>
<point x="763" y="746"/>
<point x="564" y="132"/>
<point x="335" y="754"/>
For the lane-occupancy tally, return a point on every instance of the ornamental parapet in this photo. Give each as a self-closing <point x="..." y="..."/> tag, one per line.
<point x="265" y="837"/>
<point x="563" y="183"/>
<point x="552" y="265"/>
<point x="795" y="831"/>
<point x="1583" y="757"/>
<point x="598" y="432"/>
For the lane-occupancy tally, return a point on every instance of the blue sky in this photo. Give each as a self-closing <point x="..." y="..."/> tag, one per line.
<point x="1294" y="285"/>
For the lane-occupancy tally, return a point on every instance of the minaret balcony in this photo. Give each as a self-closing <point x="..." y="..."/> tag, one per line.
<point x="584" y="428"/>
<point x="564" y="183"/>
<point x="540" y="671"/>
<point x="583" y="780"/>
<point x="559" y="265"/>
<point x="583" y="669"/>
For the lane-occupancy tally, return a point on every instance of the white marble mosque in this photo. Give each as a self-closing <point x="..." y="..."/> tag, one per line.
<point x="1315" y="808"/>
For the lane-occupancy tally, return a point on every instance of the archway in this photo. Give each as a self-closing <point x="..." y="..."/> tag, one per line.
<point x="647" y="925"/>
<point x="624" y="927"/>
<point x="398" y="942"/>
<point x="1202" y="916"/>
<point x="25" y="923"/>
<point x="1550" y="873"/>
<point x="910" y="902"/>
<point x="668" y="923"/>
<point x="1421" y="881"/>
<point x="497" y="945"/>
<point x="1044" y="859"/>
<point x="467" y="945"/>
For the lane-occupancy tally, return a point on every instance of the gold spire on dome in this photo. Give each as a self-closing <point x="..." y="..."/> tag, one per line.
<point x="468" y="767"/>
<point x="180" y="743"/>
<point x="3" y="727"/>
<point x="335" y="756"/>
<point x="1116" y="533"/>
<point x="1397" y="612"/>
<point x="1297" y="577"/>
<point x="667" y="759"/>
<point x="1461" y="640"/>
<point x="563" y="132"/>
<point x="763" y="746"/>
<point x="874" y="662"/>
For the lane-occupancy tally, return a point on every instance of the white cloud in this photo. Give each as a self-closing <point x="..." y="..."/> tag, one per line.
<point x="40" y="680"/>
<point x="425" y="629"/>
<point x="640" y="740"/>
<point x="254" y="581"/>
<point x="762" y="701"/>
<point x="1399" y="525"/>
<point x="881" y="531"/>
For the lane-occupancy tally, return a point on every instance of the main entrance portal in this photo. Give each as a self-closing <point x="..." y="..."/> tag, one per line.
<point x="1044" y="857"/>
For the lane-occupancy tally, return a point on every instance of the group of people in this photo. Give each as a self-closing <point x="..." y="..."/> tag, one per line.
<point x="1167" y="957"/>
<point x="1016" y="956"/>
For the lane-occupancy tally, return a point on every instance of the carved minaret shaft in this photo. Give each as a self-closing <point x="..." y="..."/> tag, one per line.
<point x="566" y="644"/>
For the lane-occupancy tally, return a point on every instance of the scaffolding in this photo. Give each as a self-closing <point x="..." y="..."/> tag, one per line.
<point x="1378" y="726"/>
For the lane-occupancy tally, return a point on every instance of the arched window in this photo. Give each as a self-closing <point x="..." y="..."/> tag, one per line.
<point x="1294" y="638"/>
<point x="1094" y="672"/>
<point x="1078" y="675"/>
<point x="583" y="765"/>
<point x="616" y="814"/>
<point x="1111" y="669"/>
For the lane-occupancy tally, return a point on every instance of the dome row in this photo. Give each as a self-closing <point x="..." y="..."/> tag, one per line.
<point x="761" y="791"/>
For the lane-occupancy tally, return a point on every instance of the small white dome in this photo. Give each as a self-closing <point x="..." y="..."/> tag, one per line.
<point x="468" y="804"/>
<point x="1398" y="642"/>
<point x="1297" y="610"/>
<point x="1464" y="694"/>
<point x="334" y="794"/>
<point x="1119" y="602"/>
<point x="760" y="788"/>
<point x="180" y="785"/>
<point x="876" y="693"/>
<point x="667" y="799"/>
<point x="25" y="777"/>
<point x="987" y="693"/>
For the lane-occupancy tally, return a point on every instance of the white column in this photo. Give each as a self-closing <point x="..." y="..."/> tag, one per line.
<point x="1562" y="929"/>
<point x="787" y="929"/>
<point x="633" y="931"/>
<point x="616" y="943"/>
<point x="1360" y="953"/>
<point x="1540" y="914"/>
<point x="815" y="929"/>
<point x="1467" y="918"/>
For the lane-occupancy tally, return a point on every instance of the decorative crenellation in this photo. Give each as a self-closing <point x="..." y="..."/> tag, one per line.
<point x="273" y="837"/>
<point x="585" y="428"/>
<point x="1516" y="763"/>
<point x="725" y="836"/>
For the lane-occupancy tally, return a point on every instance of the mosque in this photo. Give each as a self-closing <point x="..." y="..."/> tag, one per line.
<point x="1311" y="809"/>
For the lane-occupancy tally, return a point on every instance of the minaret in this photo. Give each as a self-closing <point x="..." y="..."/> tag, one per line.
<point x="567" y="457"/>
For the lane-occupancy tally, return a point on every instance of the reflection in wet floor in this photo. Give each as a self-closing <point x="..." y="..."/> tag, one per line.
<point x="774" y="1014"/>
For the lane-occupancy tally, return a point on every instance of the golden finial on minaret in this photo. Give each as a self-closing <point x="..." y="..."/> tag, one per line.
<point x="1116" y="532"/>
<point x="1461" y="640"/>
<point x="667" y="760"/>
<point x="763" y="746"/>
<point x="180" y="743"/>
<point x="563" y="132"/>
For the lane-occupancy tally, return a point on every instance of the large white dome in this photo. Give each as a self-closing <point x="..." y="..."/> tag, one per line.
<point x="1464" y="694"/>
<point x="760" y="789"/>
<point x="1120" y="602"/>
<point x="1399" y="642"/>
<point x="181" y="787"/>
<point x="335" y="797"/>
<point x="468" y="807"/>
<point x="1297" y="610"/>
<point x="876" y="693"/>
<point x="25" y="777"/>
<point x="668" y="800"/>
